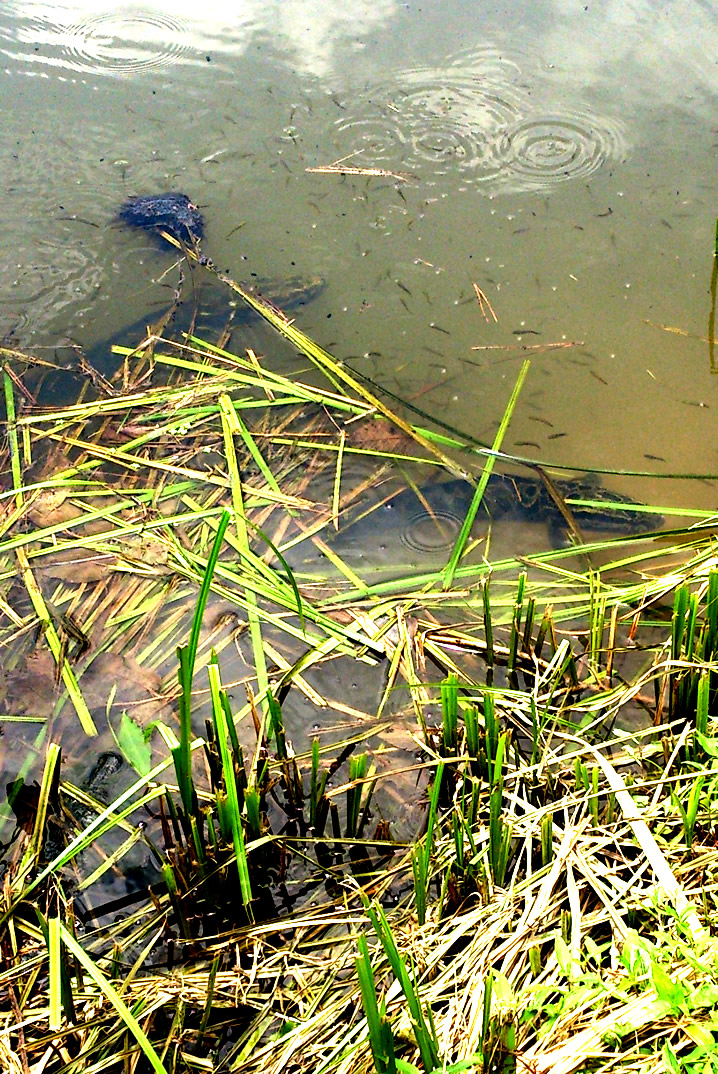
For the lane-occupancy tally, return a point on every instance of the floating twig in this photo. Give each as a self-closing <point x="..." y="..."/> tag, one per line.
<point x="680" y="331"/>
<point x="527" y="346"/>
<point x="340" y="168"/>
<point x="484" y="304"/>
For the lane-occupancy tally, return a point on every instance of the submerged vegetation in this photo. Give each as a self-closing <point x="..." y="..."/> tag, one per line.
<point x="504" y="861"/>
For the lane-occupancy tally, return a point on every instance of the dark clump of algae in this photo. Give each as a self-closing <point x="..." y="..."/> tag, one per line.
<point x="246" y="887"/>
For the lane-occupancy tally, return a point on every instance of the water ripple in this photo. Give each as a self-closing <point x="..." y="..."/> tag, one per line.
<point x="42" y="281"/>
<point x="444" y="118"/>
<point x="431" y="533"/>
<point x="541" y="150"/>
<point x="123" y="42"/>
<point x="112" y="42"/>
<point x="477" y="118"/>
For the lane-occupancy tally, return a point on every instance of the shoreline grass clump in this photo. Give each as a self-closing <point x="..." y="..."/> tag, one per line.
<point x="553" y="907"/>
<point x="556" y="910"/>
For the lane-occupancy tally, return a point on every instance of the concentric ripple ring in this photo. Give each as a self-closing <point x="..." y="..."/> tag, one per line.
<point x="125" y="42"/>
<point x="431" y="533"/>
<point x="437" y="120"/>
<point x="542" y="150"/>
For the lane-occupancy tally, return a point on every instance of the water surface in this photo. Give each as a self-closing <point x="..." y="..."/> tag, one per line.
<point x="560" y="157"/>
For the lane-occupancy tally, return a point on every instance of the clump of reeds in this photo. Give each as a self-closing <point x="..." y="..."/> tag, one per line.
<point x="548" y="905"/>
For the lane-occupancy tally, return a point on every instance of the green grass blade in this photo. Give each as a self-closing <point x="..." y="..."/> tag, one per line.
<point x="450" y="569"/>
<point x="381" y="1038"/>
<point x="129" y="1021"/>
<point x="425" y="1038"/>
<point x="12" y="440"/>
<point x="53" y="641"/>
<point x="285" y="567"/>
<point x="230" y="428"/>
<point x="187" y="656"/>
<point x="230" y="783"/>
<point x="50" y="778"/>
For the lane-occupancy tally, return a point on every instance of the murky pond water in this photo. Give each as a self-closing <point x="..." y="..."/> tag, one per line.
<point x="561" y="157"/>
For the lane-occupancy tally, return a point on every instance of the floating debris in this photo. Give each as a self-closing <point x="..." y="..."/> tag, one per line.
<point x="172" y="212"/>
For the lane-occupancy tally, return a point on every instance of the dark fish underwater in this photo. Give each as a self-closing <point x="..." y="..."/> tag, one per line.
<point x="507" y="496"/>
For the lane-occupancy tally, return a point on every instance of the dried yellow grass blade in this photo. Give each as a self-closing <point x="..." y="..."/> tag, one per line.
<point x="66" y="672"/>
<point x="657" y="859"/>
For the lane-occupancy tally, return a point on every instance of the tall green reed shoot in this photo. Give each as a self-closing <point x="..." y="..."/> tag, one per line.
<point x="357" y="773"/>
<point x="515" y="639"/>
<point x="318" y="801"/>
<point x="422" y="851"/>
<point x="449" y="715"/>
<point x="694" y="643"/>
<point x="187" y="655"/>
<point x="422" y="1023"/>
<point x="228" y="798"/>
<point x="381" y="1037"/>
<point x="689" y="811"/>
<point x="499" y="831"/>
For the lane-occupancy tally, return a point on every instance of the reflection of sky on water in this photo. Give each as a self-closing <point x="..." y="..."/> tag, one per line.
<point x="311" y="31"/>
<point x="656" y="45"/>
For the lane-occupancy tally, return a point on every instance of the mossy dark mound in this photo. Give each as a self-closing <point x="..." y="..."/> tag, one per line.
<point x="171" y="212"/>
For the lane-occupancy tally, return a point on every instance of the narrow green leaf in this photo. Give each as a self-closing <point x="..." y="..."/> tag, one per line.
<point x="381" y="1039"/>
<point x="129" y="1021"/>
<point x="187" y="656"/>
<point x="450" y="569"/>
<point x="230" y="783"/>
<point x="50" y="778"/>
<point x="12" y="441"/>
<point x="230" y="427"/>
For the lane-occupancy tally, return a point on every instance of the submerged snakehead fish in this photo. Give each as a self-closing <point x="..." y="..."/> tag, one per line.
<point x="211" y="317"/>
<point x="174" y="213"/>
<point x="506" y="496"/>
